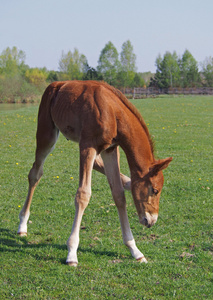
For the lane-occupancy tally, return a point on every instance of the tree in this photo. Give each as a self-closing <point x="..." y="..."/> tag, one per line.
<point x="52" y="76"/>
<point x="168" y="71"/>
<point x="36" y="77"/>
<point x="146" y="76"/>
<point x="72" y="65"/>
<point x="138" y="81"/>
<point x="108" y="63"/>
<point x="128" y="64"/>
<point x="11" y="61"/>
<point x="91" y="74"/>
<point x="189" y="70"/>
<point x="12" y="70"/>
<point x="207" y="71"/>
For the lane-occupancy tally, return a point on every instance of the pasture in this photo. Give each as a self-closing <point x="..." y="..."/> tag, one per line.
<point x="179" y="248"/>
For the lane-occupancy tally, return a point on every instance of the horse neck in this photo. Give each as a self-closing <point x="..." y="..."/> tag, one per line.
<point x="138" y="148"/>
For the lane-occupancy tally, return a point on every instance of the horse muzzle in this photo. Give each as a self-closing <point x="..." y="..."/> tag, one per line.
<point x="148" y="220"/>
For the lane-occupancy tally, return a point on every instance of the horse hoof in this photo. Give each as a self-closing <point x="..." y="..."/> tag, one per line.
<point x="72" y="264"/>
<point x="22" y="234"/>
<point x="142" y="260"/>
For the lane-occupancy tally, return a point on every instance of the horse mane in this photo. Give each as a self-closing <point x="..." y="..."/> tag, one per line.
<point x="132" y="108"/>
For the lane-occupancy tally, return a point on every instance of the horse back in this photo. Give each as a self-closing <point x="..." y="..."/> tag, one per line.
<point x="83" y="111"/>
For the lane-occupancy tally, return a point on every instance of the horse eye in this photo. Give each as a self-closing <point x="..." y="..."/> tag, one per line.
<point x="155" y="191"/>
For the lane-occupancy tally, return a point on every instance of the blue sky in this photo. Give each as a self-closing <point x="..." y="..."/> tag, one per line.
<point x="45" y="28"/>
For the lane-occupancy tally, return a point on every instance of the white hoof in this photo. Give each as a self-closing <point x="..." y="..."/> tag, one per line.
<point x="22" y="234"/>
<point x="142" y="260"/>
<point x="72" y="263"/>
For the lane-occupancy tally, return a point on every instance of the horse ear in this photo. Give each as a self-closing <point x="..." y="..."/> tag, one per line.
<point x="159" y="165"/>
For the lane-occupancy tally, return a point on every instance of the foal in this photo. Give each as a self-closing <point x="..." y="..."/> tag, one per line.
<point x="99" y="118"/>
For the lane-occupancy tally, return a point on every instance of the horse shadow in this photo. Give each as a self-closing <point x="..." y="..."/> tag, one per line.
<point x="11" y="242"/>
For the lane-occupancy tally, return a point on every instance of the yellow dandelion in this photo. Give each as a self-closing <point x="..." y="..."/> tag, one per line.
<point x="71" y="178"/>
<point x="163" y="127"/>
<point x="17" y="164"/>
<point x="51" y="154"/>
<point x="10" y="146"/>
<point x="191" y="160"/>
<point x="57" y="177"/>
<point x="19" y="206"/>
<point x="199" y="179"/>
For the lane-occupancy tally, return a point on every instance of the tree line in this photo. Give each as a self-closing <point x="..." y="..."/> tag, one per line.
<point x="117" y="69"/>
<point x="175" y="71"/>
<point x="20" y="83"/>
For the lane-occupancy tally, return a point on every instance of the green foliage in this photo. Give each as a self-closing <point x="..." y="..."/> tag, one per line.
<point x="52" y="76"/>
<point x="11" y="61"/>
<point x="72" y="65"/>
<point x="119" y="73"/>
<point x="128" y="58"/>
<point x="176" y="72"/>
<point x="19" y="83"/>
<point x="207" y="71"/>
<point x="128" y="64"/>
<point x="138" y="81"/>
<point x="178" y="248"/>
<point x="168" y="71"/>
<point x="36" y="77"/>
<point x="108" y="63"/>
<point x="189" y="70"/>
<point x="92" y="74"/>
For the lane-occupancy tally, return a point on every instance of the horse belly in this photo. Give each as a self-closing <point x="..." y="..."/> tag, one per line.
<point x="68" y="123"/>
<point x="70" y="133"/>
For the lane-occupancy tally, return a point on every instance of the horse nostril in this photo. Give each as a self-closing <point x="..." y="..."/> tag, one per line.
<point x="145" y="221"/>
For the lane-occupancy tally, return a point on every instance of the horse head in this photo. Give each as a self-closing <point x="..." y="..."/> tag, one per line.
<point x="146" y="191"/>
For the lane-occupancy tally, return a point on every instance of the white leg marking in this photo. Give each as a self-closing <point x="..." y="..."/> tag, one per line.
<point x="111" y="165"/>
<point x="87" y="158"/>
<point x="73" y="241"/>
<point x="136" y="253"/>
<point x="22" y="229"/>
<point x="35" y="176"/>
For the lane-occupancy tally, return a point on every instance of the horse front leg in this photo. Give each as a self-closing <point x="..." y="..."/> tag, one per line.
<point x="87" y="157"/>
<point x="111" y="165"/>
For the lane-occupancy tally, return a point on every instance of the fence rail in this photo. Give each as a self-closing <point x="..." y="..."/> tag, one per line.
<point x="137" y="93"/>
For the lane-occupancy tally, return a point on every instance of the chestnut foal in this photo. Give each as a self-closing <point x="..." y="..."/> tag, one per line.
<point x="99" y="118"/>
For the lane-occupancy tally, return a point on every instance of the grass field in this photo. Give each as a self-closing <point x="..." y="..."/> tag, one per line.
<point x="179" y="248"/>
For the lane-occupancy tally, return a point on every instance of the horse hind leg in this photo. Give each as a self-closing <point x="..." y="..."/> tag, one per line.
<point x="99" y="166"/>
<point x="87" y="158"/>
<point x="47" y="135"/>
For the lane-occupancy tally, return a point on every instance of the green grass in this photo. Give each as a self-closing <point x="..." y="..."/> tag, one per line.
<point x="179" y="247"/>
